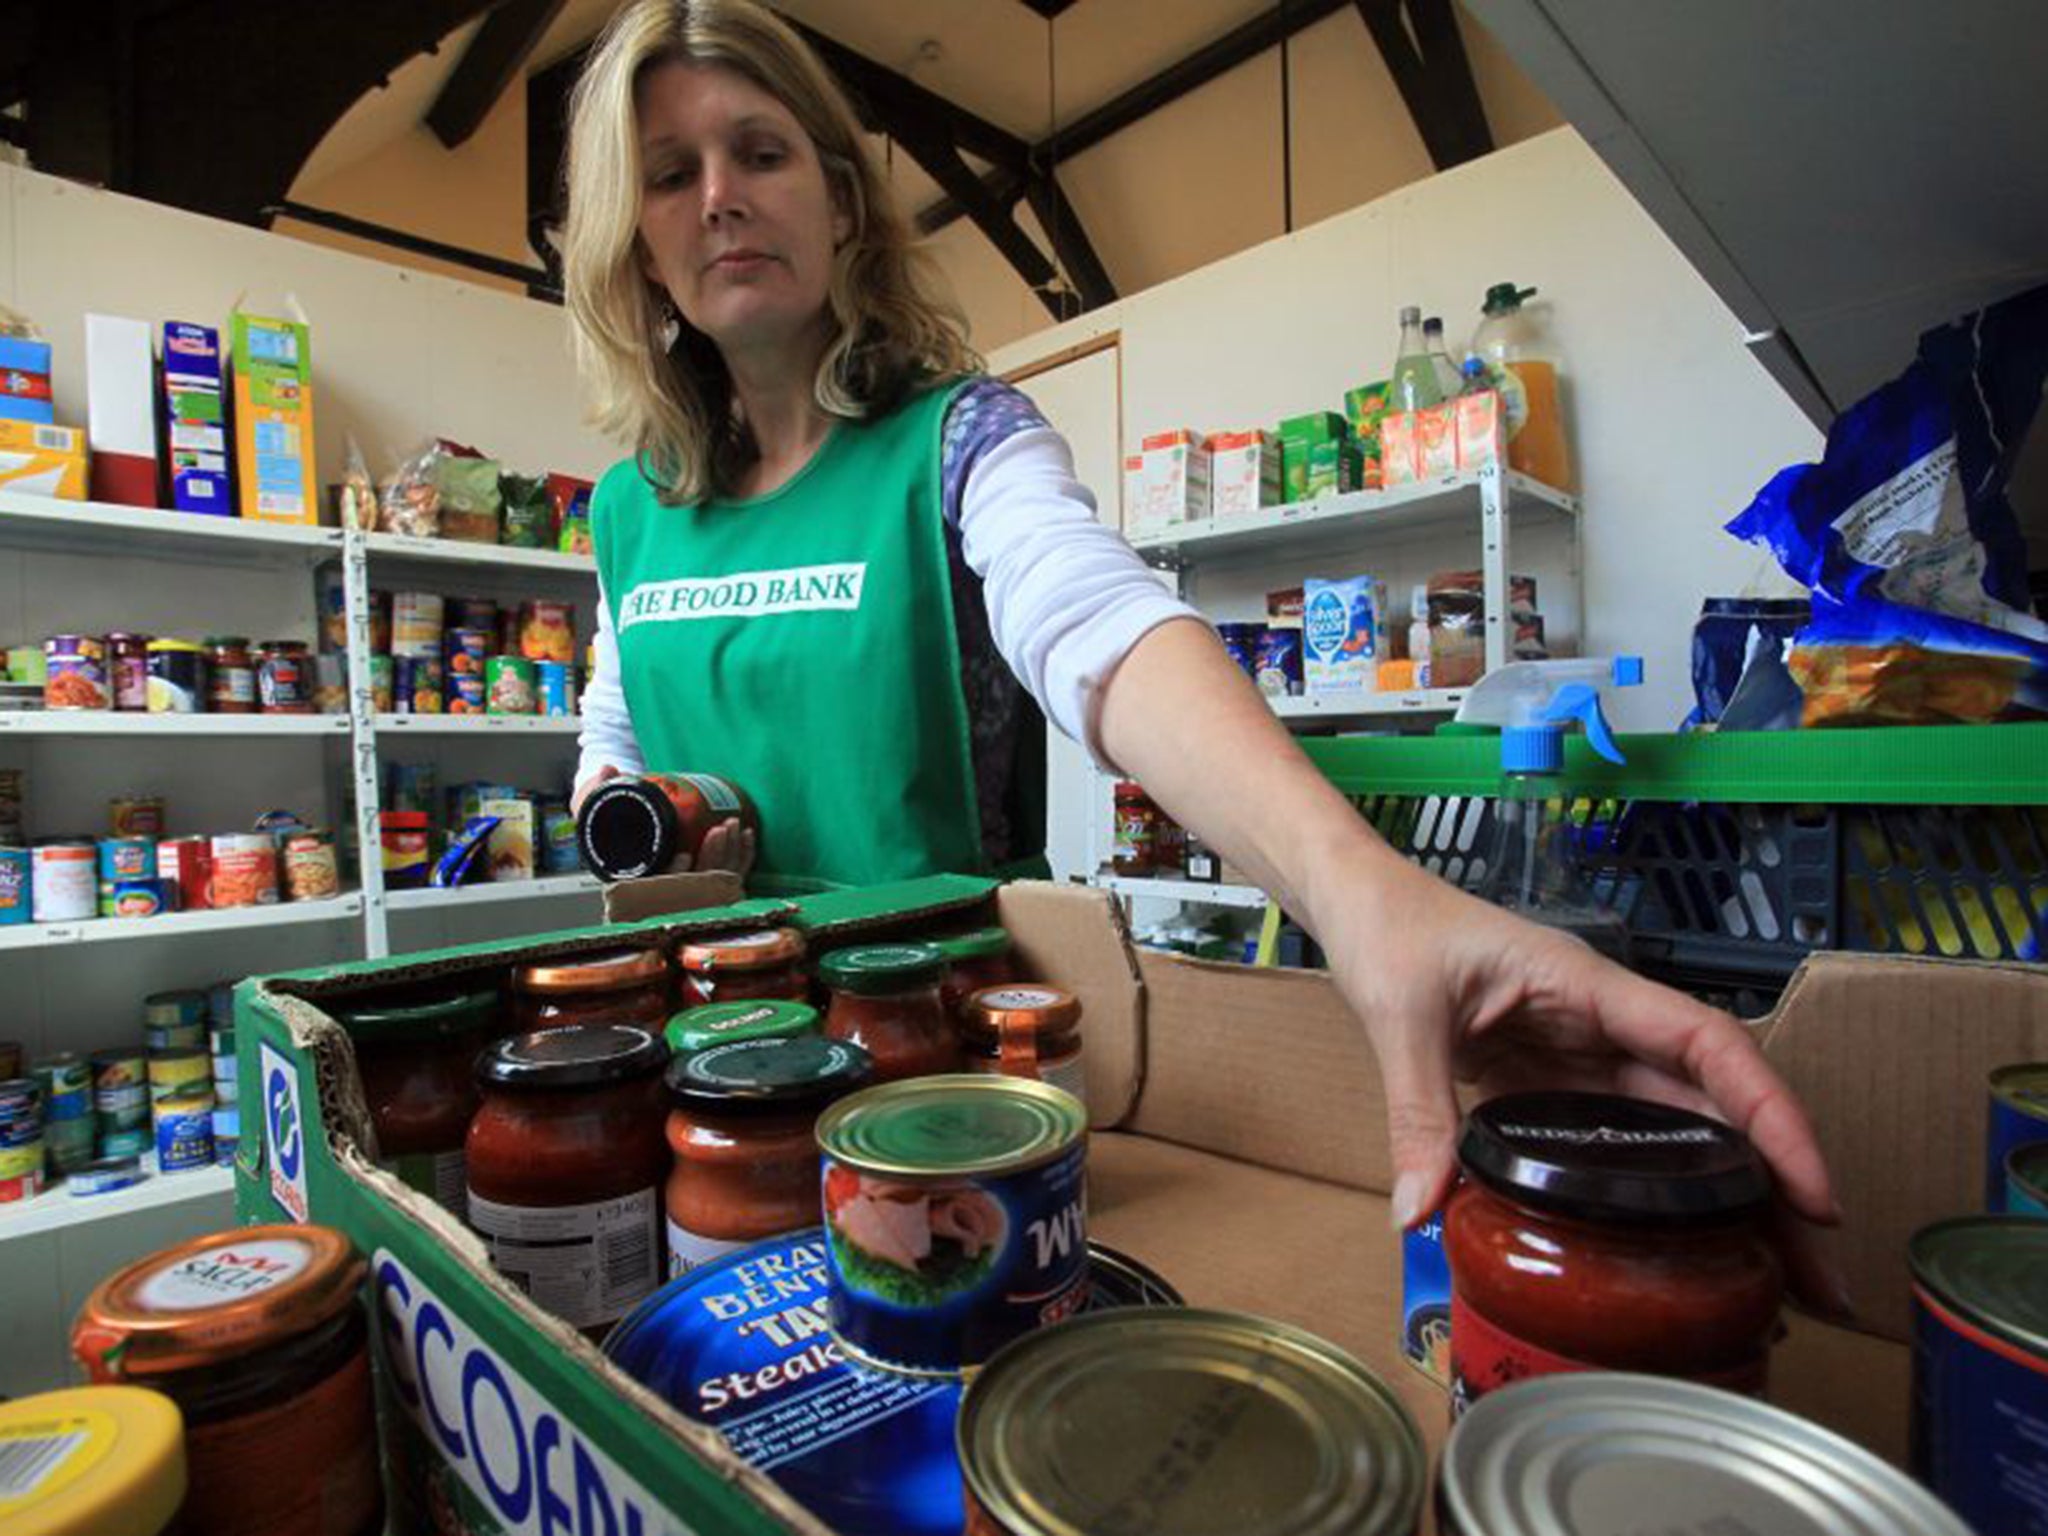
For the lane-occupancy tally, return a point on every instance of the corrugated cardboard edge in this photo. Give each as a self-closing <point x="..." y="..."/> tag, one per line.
<point x="632" y="901"/>
<point x="345" y="1122"/>
<point x="1074" y="937"/>
<point x="1890" y="1055"/>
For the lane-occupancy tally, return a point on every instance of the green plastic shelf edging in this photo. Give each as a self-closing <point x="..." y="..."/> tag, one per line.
<point x="1916" y="765"/>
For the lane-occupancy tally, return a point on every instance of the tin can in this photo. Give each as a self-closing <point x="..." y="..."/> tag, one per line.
<point x="380" y="621"/>
<point x="330" y="683"/>
<point x="134" y="898"/>
<point x="465" y="695"/>
<point x="547" y="631"/>
<point x="184" y="865"/>
<point x="173" y="1037"/>
<point x="75" y="673"/>
<point x="128" y="670"/>
<point x="15" y="896"/>
<point x="995" y="1168"/>
<point x="556" y="682"/>
<point x="2019" y="1115"/>
<point x="469" y="648"/>
<point x="382" y="692"/>
<point x="284" y="677"/>
<point x="184" y="1134"/>
<point x="131" y="1141"/>
<point x="416" y="623"/>
<point x="1240" y="643"/>
<point x="1655" y="1454"/>
<point x="510" y="684"/>
<point x="123" y="858"/>
<point x="2026" y="1180"/>
<point x="137" y="816"/>
<point x="179" y="680"/>
<point x="869" y="1455"/>
<point x="330" y="596"/>
<point x="1201" y="1420"/>
<point x="106" y="1174"/>
<point x="179" y="1073"/>
<point x="66" y="1081"/>
<point x="410" y="787"/>
<point x="559" y="852"/>
<point x="473" y="613"/>
<point x="10" y="805"/>
<point x="416" y="684"/>
<point x="13" y="1059"/>
<point x="1980" y="1369"/>
<point x="64" y="884"/>
<point x="244" y="869"/>
<point x="227" y="1132"/>
<point x="310" y="870"/>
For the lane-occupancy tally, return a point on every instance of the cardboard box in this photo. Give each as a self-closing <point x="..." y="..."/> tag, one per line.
<point x="1174" y="476"/>
<point x="1250" y="1178"/>
<point x="1331" y="468"/>
<point x="270" y="372"/>
<point x="1482" y="430"/>
<point x="1341" y="633"/>
<point x="120" y="410"/>
<point x="43" y="460"/>
<point x="1244" y="472"/>
<point x="1134" y="492"/>
<point x="509" y="853"/>
<point x="1436" y="441"/>
<point x="1304" y="471"/>
<point x="25" y="381"/>
<point x="196" y="420"/>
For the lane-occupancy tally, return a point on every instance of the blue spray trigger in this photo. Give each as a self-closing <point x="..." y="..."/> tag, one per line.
<point x="1581" y="702"/>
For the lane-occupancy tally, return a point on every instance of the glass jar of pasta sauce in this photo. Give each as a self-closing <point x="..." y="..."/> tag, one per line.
<point x="976" y="959"/>
<point x="651" y="823"/>
<point x="417" y="1058"/>
<point x="566" y="1165"/>
<point x="742" y="1124"/>
<point x="767" y="964"/>
<point x="1594" y="1232"/>
<point x="626" y="986"/>
<point x="885" y="999"/>
<point x="1026" y="1029"/>
<point x="1140" y="831"/>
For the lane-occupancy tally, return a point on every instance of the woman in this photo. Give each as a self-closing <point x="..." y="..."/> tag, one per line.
<point x="839" y="561"/>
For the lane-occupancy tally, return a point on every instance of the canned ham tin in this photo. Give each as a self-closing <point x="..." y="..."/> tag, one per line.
<point x="955" y="1217"/>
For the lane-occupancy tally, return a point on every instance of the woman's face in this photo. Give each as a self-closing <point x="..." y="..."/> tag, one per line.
<point x="737" y="221"/>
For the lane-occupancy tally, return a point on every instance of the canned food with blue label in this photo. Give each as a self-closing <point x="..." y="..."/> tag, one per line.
<point x="955" y="1217"/>
<point x="2019" y="1115"/>
<point x="2026" y="1180"/>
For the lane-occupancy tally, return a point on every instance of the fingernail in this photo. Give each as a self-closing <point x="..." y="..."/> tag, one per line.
<point x="1407" y="1200"/>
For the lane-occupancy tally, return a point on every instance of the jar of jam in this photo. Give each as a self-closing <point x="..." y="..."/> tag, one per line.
<point x="768" y="1018"/>
<point x="232" y="688"/>
<point x="622" y="986"/>
<point x="1594" y="1232"/>
<point x="417" y="1057"/>
<point x="567" y="1162"/>
<point x="1026" y="1029"/>
<point x="651" y="823"/>
<point x="885" y="999"/>
<point x="980" y="958"/>
<point x="1137" y="831"/>
<point x="742" y="1125"/>
<point x="128" y="670"/>
<point x="257" y="1336"/>
<point x="745" y="965"/>
<point x="284" y="677"/>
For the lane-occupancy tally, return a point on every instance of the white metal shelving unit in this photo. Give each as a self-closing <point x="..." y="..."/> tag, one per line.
<point x="1487" y="505"/>
<point x="57" y="1208"/>
<point x="492" y="892"/>
<point x="172" y="925"/>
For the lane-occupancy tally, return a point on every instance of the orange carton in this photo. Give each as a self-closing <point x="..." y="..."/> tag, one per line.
<point x="1400" y="449"/>
<point x="1436" y="440"/>
<point x="1396" y="676"/>
<point x="1482" y="438"/>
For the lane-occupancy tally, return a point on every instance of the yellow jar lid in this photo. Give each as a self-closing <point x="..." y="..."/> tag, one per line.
<point x="92" y="1461"/>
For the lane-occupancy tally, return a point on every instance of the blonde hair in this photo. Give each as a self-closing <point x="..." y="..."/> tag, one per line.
<point x="892" y="328"/>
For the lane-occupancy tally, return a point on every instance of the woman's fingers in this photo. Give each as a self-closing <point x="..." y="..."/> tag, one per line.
<point x="1413" y="1043"/>
<point x="1811" y="1266"/>
<point x="583" y="790"/>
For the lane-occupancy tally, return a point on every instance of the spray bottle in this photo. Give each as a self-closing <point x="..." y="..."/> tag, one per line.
<point x="1533" y="866"/>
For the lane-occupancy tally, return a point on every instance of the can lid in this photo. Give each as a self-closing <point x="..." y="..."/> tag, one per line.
<point x="951" y="1124"/>
<point x="573" y="1056"/>
<point x="876" y="970"/>
<point x="1023" y="1004"/>
<point x="766" y="950"/>
<point x="1189" y="1421"/>
<point x="215" y="1297"/>
<point x="2023" y="1085"/>
<point x="103" y="1461"/>
<point x="381" y="1019"/>
<point x="1115" y="1279"/>
<point x="606" y="971"/>
<point x="1599" y="1156"/>
<point x="626" y="829"/>
<point x="696" y="1029"/>
<point x="2026" y="1165"/>
<point x="1987" y="1270"/>
<point x="977" y="944"/>
<point x="1594" y="1452"/>
<point x="767" y="1076"/>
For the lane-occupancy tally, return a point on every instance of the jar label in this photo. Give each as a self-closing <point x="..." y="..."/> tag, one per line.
<point x="442" y="1177"/>
<point x="234" y="685"/>
<point x="716" y="792"/>
<point x="688" y="1251"/>
<point x="587" y="1264"/>
<point x="1060" y="1072"/>
<point x="224" y="1274"/>
<point x="1486" y="1357"/>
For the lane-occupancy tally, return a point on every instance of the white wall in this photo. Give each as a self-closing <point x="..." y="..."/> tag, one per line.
<point x="1674" y="426"/>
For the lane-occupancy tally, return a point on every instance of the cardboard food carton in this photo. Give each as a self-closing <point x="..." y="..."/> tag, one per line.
<point x="1332" y="469"/>
<point x="44" y="460"/>
<point x="1176" y="479"/>
<point x="1436" y="441"/>
<point x="1365" y="407"/>
<point x="120" y="410"/>
<point x="1299" y="439"/>
<point x="510" y="850"/>
<point x="1341" y="633"/>
<point x="1482" y="430"/>
<point x="25" y="380"/>
<point x="270" y="369"/>
<point x="1244" y="471"/>
<point x="196" y="420"/>
<point x="1134" y="492"/>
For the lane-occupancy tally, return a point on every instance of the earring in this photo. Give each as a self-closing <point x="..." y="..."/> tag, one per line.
<point x="671" y="323"/>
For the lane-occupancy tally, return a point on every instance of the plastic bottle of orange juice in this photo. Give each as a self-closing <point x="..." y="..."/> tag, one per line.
<point x="1523" y="366"/>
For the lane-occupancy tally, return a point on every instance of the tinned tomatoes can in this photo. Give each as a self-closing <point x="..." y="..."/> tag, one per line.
<point x="2018" y="1117"/>
<point x="955" y="1218"/>
<point x="184" y="866"/>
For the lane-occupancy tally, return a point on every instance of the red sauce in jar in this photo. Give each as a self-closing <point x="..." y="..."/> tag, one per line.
<point x="768" y="964"/>
<point x="417" y="1058"/>
<point x="566" y="1165"/>
<point x="626" y="986"/>
<point x="648" y="824"/>
<point x="974" y="960"/>
<point x="1594" y="1232"/>
<point x="742" y="1128"/>
<point x="885" y="999"/>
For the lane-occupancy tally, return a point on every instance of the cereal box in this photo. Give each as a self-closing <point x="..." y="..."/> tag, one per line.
<point x="46" y="460"/>
<point x="195" y="419"/>
<point x="271" y="365"/>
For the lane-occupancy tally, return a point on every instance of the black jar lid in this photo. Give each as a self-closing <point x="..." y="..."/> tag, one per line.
<point x="626" y="829"/>
<point x="1602" y="1157"/>
<point x="767" y="1077"/>
<point x="572" y="1056"/>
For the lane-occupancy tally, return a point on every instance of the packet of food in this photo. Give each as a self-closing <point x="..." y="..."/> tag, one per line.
<point x="410" y="502"/>
<point x="470" y="503"/>
<point x="357" y="504"/>
<point x="529" y="515"/>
